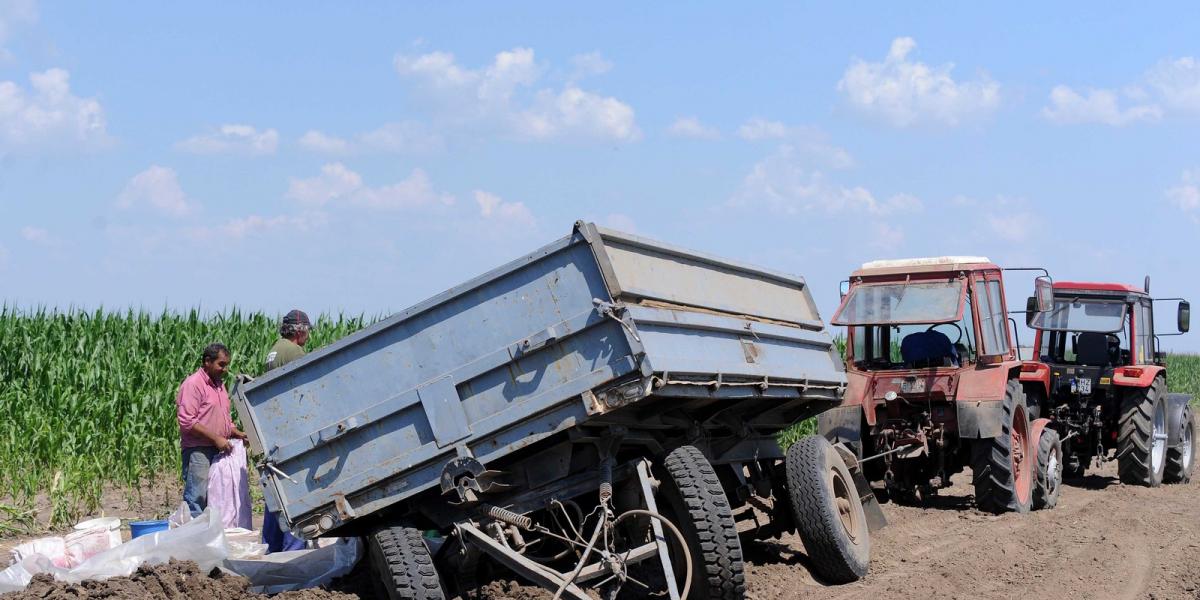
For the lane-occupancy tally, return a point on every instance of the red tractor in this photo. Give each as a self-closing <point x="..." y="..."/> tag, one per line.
<point x="934" y="382"/>
<point x="1100" y="379"/>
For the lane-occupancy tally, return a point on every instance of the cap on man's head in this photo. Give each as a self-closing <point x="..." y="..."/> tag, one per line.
<point x="296" y="317"/>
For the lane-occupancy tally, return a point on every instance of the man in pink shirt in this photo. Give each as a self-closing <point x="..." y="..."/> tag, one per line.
<point x="205" y="427"/>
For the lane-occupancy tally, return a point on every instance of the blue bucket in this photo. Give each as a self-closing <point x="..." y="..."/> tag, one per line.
<point x="140" y="528"/>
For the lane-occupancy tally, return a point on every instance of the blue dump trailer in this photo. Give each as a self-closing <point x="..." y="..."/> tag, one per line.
<point x="601" y="413"/>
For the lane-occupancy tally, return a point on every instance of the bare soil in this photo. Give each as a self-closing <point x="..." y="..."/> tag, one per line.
<point x="1105" y="540"/>
<point x="172" y="581"/>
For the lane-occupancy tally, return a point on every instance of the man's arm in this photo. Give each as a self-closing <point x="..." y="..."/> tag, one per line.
<point x="221" y="443"/>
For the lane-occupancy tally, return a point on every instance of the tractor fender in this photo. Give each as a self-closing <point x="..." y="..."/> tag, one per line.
<point x="1176" y="409"/>
<point x="1145" y="379"/>
<point x="843" y="425"/>
<point x="1036" y="375"/>
<point x="1035" y="433"/>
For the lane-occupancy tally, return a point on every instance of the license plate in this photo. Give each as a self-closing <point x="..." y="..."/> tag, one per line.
<point x="913" y="387"/>
<point x="1085" y="386"/>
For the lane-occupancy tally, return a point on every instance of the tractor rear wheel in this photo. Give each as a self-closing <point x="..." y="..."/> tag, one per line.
<point x="829" y="515"/>
<point x="1142" y="436"/>
<point x="696" y="502"/>
<point x="1181" y="460"/>
<point x="1002" y="467"/>
<point x="1049" y="470"/>
<point x="403" y="567"/>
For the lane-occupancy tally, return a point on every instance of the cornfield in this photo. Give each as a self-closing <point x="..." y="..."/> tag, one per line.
<point x="87" y="399"/>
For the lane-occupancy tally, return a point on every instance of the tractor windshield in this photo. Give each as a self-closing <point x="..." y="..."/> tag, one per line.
<point x="902" y="303"/>
<point x="1075" y="314"/>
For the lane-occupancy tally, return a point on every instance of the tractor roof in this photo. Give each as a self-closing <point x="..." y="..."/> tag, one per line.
<point x="935" y="264"/>
<point x="1092" y="286"/>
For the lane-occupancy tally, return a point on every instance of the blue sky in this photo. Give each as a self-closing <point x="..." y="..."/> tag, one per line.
<point x="363" y="157"/>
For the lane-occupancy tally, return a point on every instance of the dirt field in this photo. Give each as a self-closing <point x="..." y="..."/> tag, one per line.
<point x="1104" y="540"/>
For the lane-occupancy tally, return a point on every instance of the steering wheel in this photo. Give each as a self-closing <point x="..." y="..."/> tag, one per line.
<point x="954" y="325"/>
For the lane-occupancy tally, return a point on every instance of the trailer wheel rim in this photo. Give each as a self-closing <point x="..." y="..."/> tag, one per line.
<point x="843" y="502"/>
<point x="1020" y="456"/>
<point x="1158" y="447"/>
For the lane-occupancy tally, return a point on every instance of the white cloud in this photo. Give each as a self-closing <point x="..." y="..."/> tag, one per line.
<point x="1068" y="107"/>
<point x="809" y="141"/>
<point x="1186" y="195"/>
<point x="257" y="225"/>
<point x="784" y="184"/>
<point x="336" y="183"/>
<point x="233" y="139"/>
<point x="691" y="127"/>
<point x="48" y="114"/>
<point x="325" y="144"/>
<point x="886" y="237"/>
<point x="1177" y="82"/>
<point x="904" y="92"/>
<point x="501" y="97"/>
<point x="1013" y="226"/>
<point x="592" y="63"/>
<point x="493" y="208"/>
<point x="14" y="13"/>
<point x="402" y="137"/>
<point x="36" y="235"/>
<point x="156" y="188"/>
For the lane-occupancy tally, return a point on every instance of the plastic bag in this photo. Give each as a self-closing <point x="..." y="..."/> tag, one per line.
<point x="181" y="515"/>
<point x="243" y="544"/>
<point x="82" y="545"/>
<point x="229" y="487"/>
<point x="54" y="548"/>
<point x="201" y="540"/>
<point x="298" y="569"/>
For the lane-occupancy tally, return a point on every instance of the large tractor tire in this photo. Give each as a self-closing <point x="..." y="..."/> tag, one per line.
<point x="403" y="567"/>
<point x="829" y="516"/>
<point x="1181" y="459"/>
<point x="1049" y="470"/>
<point x="1003" y="467"/>
<point x="1142" y="436"/>
<point x="697" y="503"/>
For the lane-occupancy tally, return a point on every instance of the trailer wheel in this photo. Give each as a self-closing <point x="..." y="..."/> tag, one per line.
<point x="1181" y="460"/>
<point x="1142" y="436"/>
<point x="1002" y="467"/>
<point x="1049" y="470"/>
<point x="829" y="516"/>
<point x="697" y="503"/>
<point x="403" y="567"/>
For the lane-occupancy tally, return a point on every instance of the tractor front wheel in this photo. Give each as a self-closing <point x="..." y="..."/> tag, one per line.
<point x="1003" y="466"/>
<point x="1181" y="459"/>
<point x="1049" y="470"/>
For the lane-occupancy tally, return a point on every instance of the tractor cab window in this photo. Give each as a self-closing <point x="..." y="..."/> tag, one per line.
<point x="1091" y="348"/>
<point x="1076" y="314"/>
<point x="944" y="341"/>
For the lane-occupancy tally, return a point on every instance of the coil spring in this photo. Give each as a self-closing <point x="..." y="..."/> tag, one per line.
<point x="606" y="487"/>
<point x="510" y="517"/>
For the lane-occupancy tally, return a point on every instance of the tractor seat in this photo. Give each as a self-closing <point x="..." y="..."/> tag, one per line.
<point x="928" y="349"/>
<point x="1091" y="349"/>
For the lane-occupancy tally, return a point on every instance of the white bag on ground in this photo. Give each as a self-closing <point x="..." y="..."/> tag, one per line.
<point x="229" y="486"/>
<point x="182" y="515"/>
<point x="298" y="569"/>
<point x="201" y="540"/>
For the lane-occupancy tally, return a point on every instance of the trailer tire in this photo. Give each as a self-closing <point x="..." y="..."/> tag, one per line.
<point x="829" y="516"/>
<point x="1002" y="467"/>
<point x="1049" y="470"/>
<point x="1181" y="460"/>
<point x="404" y="569"/>
<point x="698" y="504"/>
<point x="1142" y="436"/>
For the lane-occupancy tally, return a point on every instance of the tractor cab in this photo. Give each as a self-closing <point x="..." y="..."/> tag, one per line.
<point x="1096" y="332"/>
<point x="919" y="314"/>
